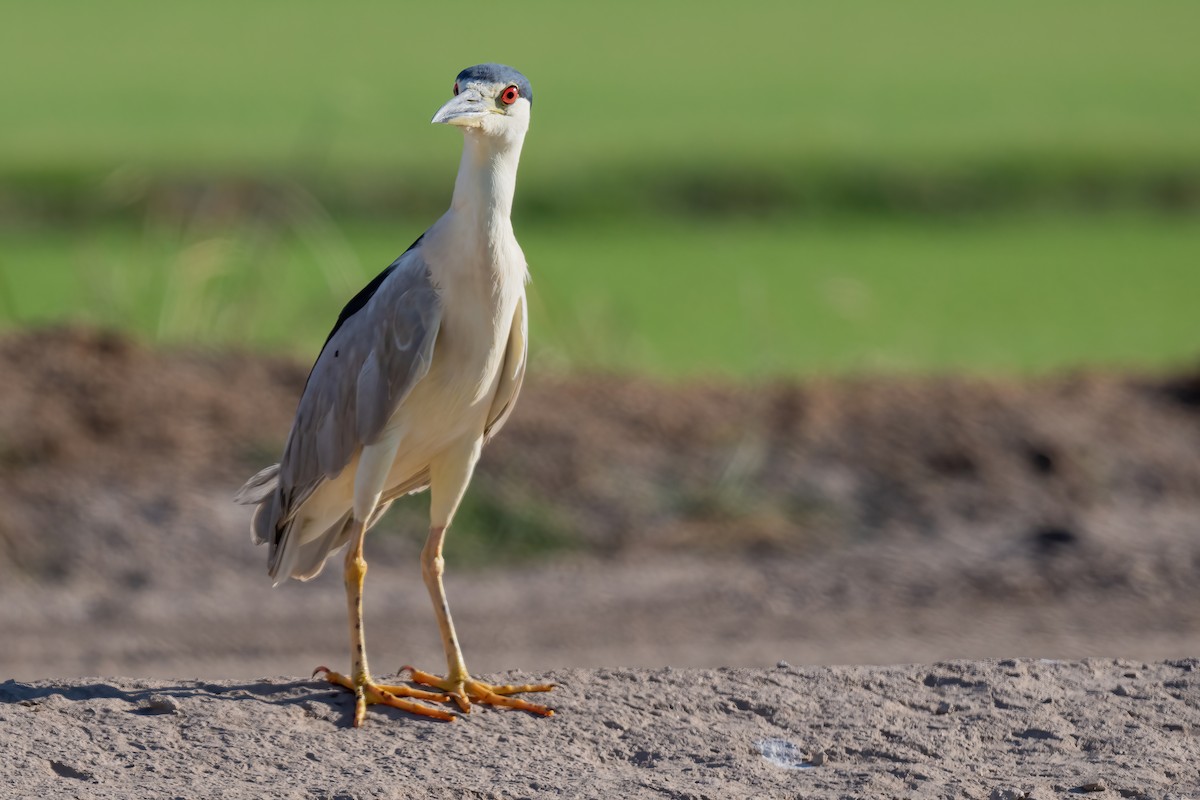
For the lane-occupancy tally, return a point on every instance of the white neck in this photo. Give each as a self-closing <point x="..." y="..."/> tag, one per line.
<point x="487" y="178"/>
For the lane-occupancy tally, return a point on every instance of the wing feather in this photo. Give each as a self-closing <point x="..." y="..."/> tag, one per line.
<point x="363" y="375"/>
<point x="380" y="348"/>
<point x="512" y="372"/>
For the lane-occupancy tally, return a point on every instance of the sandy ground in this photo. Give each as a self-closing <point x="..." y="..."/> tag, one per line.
<point x="869" y="604"/>
<point x="1008" y="729"/>
<point x="678" y="529"/>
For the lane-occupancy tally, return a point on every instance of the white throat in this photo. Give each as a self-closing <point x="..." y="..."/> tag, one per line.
<point x="487" y="178"/>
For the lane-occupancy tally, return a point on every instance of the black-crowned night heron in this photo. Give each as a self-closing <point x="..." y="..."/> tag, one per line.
<point x="421" y="369"/>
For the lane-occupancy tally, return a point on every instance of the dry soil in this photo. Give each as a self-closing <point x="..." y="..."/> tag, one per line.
<point x="626" y="539"/>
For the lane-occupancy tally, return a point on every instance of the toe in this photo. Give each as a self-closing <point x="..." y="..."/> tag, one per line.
<point x="417" y="694"/>
<point x="462" y="699"/>
<point x="377" y="695"/>
<point x="486" y="694"/>
<point x="466" y="691"/>
<point x="509" y="688"/>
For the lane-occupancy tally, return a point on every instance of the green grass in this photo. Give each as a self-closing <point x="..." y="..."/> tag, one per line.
<point x="640" y="108"/>
<point x="332" y="88"/>
<point x="735" y="298"/>
<point x="1015" y="295"/>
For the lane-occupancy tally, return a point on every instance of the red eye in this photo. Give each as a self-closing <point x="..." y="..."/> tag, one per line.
<point x="509" y="95"/>
<point x="456" y="88"/>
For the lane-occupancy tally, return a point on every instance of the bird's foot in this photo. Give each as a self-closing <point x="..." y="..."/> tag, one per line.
<point x="465" y="690"/>
<point x="367" y="692"/>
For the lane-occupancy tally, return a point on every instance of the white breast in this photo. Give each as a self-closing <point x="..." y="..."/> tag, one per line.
<point x="479" y="294"/>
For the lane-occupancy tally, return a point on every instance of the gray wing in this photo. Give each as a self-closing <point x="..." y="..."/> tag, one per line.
<point x="512" y="372"/>
<point x="380" y="348"/>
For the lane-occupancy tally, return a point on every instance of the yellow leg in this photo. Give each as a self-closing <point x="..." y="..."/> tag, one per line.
<point x="458" y="683"/>
<point x="366" y="691"/>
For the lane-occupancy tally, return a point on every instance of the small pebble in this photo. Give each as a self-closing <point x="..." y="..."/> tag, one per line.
<point x="1006" y="793"/>
<point x="1094" y="786"/>
<point x="161" y="704"/>
<point x="943" y="708"/>
<point x="784" y="754"/>
<point x="783" y="665"/>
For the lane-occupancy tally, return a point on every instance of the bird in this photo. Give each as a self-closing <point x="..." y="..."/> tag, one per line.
<point x="422" y="368"/>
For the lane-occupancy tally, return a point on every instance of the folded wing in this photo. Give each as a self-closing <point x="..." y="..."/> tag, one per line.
<point x="380" y="348"/>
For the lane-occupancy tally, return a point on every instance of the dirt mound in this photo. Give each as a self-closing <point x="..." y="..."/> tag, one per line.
<point x="91" y="419"/>
<point x="867" y="519"/>
<point x="617" y="464"/>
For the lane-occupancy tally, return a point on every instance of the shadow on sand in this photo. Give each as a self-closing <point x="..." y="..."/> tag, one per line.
<point x="150" y="698"/>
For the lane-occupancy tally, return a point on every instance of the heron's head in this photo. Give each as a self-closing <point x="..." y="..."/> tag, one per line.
<point x="489" y="98"/>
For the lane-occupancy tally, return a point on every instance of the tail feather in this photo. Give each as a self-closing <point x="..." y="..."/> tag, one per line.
<point x="310" y="557"/>
<point x="286" y="539"/>
<point x="257" y="488"/>
<point x="289" y="556"/>
<point x="261" y="491"/>
<point x="262" y="525"/>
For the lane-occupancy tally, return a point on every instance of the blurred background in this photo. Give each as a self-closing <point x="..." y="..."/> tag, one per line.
<point x="860" y="331"/>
